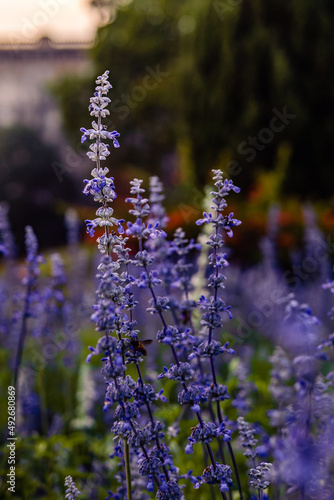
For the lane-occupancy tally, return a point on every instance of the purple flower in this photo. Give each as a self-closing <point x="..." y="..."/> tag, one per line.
<point x="72" y="491"/>
<point x="216" y="474"/>
<point x="150" y="465"/>
<point x="99" y="132"/>
<point x="7" y="245"/>
<point x="169" y="491"/>
<point x="182" y="372"/>
<point x="248" y="441"/>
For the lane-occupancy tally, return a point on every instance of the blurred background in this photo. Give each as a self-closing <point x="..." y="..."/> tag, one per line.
<point x="241" y="85"/>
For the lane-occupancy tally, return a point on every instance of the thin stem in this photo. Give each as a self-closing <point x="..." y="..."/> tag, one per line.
<point x="152" y="420"/>
<point x="276" y="493"/>
<point x="212" y="415"/>
<point x="198" y="414"/>
<point x="145" y="453"/>
<point x="216" y="275"/>
<point x="229" y="446"/>
<point x="214" y="378"/>
<point x="164" y="324"/>
<point x="40" y="382"/>
<point x="22" y="336"/>
<point x="127" y="469"/>
<point x="127" y="460"/>
<point x="126" y="445"/>
<point x="205" y="455"/>
<point x="220" y="442"/>
<point x="147" y="404"/>
<point x="99" y="121"/>
<point x="230" y="450"/>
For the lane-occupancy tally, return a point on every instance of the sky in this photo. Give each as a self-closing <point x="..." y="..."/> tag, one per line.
<point x="24" y="21"/>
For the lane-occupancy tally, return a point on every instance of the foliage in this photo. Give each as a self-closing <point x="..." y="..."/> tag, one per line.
<point x="29" y="188"/>
<point x="228" y="69"/>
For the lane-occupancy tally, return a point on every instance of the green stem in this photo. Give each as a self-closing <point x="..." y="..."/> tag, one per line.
<point x="22" y="336"/>
<point x="127" y="469"/>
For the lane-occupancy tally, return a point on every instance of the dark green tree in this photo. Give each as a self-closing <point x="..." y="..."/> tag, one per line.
<point x="29" y="187"/>
<point x="228" y="71"/>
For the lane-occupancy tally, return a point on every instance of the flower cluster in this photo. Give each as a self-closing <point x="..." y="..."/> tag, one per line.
<point x="168" y="359"/>
<point x="180" y="336"/>
<point x="72" y="491"/>
<point x="206" y="433"/>
<point x="101" y="187"/>
<point x="248" y="441"/>
<point x="218" y="474"/>
<point x="147" y="266"/>
<point x="133" y="420"/>
<point x="260" y="475"/>
<point x="7" y="246"/>
<point x="167" y="356"/>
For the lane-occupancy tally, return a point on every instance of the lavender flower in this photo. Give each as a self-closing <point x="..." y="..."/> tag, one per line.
<point x="170" y="334"/>
<point x="72" y="491"/>
<point x="248" y="441"/>
<point x="72" y="226"/>
<point x="214" y="306"/>
<point x="267" y="244"/>
<point x="114" y="311"/>
<point x="157" y="210"/>
<point x="218" y="474"/>
<point x="141" y="209"/>
<point x="260" y="476"/>
<point x="302" y="406"/>
<point x="7" y="245"/>
<point x="101" y="187"/>
<point x="33" y="261"/>
<point x="242" y="400"/>
<point x="206" y="433"/>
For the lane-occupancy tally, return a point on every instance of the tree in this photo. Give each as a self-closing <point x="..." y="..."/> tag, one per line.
<point x="27" y="184"/>
<point x="234" y="71"/>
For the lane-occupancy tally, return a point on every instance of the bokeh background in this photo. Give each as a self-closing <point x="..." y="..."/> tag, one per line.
<point x="241" y="85"/>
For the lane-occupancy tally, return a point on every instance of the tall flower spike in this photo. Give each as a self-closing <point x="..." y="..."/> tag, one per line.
<point x="248" y="441"/>
<point x="7" y="245"/>
<point x="113" y="313"/>
<point x="100" y="186"/>
<point x="31" y="296"/>
<point x="72" y="491"/>
<point x="214" y="306"/>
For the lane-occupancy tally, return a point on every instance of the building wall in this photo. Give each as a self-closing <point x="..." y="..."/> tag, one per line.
<point x="25" y="73"/>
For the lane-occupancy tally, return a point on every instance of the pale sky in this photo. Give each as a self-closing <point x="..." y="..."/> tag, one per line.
<point x="61" y="20"/>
